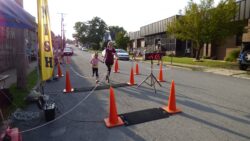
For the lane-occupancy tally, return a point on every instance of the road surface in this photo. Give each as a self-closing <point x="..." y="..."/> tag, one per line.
<point x="214" y="107"/>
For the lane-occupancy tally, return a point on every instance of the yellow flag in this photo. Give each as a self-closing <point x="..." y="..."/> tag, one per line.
<point x="44" y="39"/>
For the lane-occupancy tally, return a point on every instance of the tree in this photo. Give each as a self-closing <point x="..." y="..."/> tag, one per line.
<point x="90" y="32"/>
<point x="204" y="23"/>
<point x="97" y="29"/>
<point x="119" y="35"/>
<point x="220" y="28"/>
<point x="81" y="34"/>
<point x="21" y="64"/>
<point x="114" y="30"/>
<point x="121" y="40"/>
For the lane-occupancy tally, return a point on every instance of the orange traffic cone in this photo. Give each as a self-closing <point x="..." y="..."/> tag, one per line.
<point x="137" y="69"/>
<point x="13" y="133"/>
<point x="113" y="119"/>
<point x="132" y="80"/>
<point x="160" y="76"/>
<point x="59" y="71"/>
<point x="68" y="87"/>
<point x="116" y="66"/>
<point x="171" y="108"/>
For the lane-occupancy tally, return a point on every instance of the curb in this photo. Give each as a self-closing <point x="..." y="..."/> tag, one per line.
<point x="219" y="71"/>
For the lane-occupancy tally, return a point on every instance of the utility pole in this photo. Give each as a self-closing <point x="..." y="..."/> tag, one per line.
<point x="62" y="30"/>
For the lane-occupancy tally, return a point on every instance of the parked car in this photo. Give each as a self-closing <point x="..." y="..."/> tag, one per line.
<point x="84" y="49"/>
<point x="68" y="51"/>
<point x="244" y="57"/>
<point x="121" y="54"/>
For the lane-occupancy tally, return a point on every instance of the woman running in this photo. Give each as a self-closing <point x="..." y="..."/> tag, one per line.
<point x="109" y="58"/>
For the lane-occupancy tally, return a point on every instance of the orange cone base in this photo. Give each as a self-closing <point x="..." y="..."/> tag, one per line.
<point x="59" y="76"/>
<point x="110" y="125"/>
<point x="72" y="90"/>
<point x="131" y="84"/>
<point x="161" y="80"/>
<point x="171" y="111"/>
<point x="116" y="71"/>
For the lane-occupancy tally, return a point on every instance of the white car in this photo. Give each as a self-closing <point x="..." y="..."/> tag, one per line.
<point x="68" y="51"/>
<point x="121" y="54"/>
<point x="84" y="49"/>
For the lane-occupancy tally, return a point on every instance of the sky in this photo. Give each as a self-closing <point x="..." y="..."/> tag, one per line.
<point x="129" y="14"/>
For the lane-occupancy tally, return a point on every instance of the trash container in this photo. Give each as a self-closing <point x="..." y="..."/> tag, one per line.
<point x="49" y="111"/>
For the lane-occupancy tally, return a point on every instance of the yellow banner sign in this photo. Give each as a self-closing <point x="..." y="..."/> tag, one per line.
<point x="44" y="38"/>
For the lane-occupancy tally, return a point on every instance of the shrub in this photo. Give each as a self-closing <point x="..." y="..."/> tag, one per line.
<point x="233" y="55"/>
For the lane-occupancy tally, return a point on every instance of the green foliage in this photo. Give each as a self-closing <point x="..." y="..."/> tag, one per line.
<point x="122" y="40"/>
<point x="114" y="30"/>
<point x="233" y="55"/>
<point x="90" y="32"/>
<point x="205" y="62"/>
<point x="120" y="36"/>
<point x="204" y="23"/>
<point x="19" y="95"/>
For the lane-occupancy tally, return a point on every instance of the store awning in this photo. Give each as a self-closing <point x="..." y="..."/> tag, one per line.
<point x="13" y="15"/>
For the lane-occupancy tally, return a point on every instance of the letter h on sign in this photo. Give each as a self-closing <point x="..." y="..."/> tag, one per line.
<point x="48" y="61"/>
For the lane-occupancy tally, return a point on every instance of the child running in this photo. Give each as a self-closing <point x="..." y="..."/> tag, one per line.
<point x="94" y="61"/>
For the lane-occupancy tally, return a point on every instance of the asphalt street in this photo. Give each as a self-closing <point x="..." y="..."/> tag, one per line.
<point x="214" y="107"/>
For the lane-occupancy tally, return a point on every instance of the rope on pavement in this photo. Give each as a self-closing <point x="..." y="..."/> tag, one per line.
<point x="64" y="114"/>
<point x="78" y="74"/>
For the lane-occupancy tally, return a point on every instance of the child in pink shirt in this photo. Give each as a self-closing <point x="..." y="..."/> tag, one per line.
<point x="94" y="61"/>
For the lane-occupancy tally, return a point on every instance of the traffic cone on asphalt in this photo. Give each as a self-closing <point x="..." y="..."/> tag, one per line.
<point x="171" y="108"/>
<point x="132" y="79"/>
<point x="113" y="119"/>
<point x="137" y="69"/>
<point x="160" y="75"/>
<point x="68" y="87"/>
<point x="116" y="68"/>
<point x="59" y="71"/>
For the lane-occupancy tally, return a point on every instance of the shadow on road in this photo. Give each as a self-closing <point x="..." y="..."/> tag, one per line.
<point x="214" y="125"/>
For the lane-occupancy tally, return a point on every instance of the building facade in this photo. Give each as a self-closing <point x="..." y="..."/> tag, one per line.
<point x="153" y="35"/>
<point x="233" y="42"/>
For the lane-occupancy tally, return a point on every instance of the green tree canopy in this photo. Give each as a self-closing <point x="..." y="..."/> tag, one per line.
<point x="90" y="32"/>
<point x="120" y="36"/>
<point x="93" y="31"/>
<point x="114" y="30"/>
<point x="121" y="40"/>
<point x="204" y="23"/>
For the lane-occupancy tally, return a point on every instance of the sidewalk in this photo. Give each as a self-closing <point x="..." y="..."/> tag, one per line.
<point x="220" y="71"/>
<point x="12" y="74"/>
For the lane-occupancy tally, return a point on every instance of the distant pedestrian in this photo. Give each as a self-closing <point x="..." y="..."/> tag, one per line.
<point x="158" y="50"/>
<point x="94" y="61"/>
<point x="134" y="54"/>
<point x="109" y="58"/>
